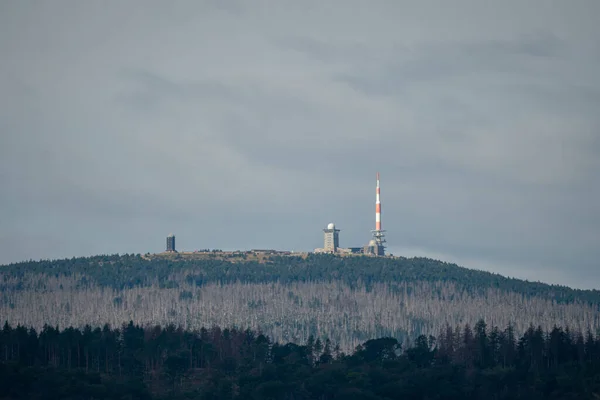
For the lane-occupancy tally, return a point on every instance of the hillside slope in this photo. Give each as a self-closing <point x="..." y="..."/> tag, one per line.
<point x="347" y="299"/>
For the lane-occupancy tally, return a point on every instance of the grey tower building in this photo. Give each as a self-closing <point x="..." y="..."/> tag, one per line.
<point x="171" y="243"/>
<point x="332" y="238"/>
<point x="374" y="248"/>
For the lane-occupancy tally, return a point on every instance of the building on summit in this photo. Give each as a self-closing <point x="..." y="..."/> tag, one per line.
<point x="373" y="248"/>
<point x="171" y="243"/>
<point x="332" y="239"/>
<point x="331" y="242"/>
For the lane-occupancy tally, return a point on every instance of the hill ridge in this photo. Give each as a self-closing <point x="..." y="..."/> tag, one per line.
<point x="224" y="266"/>
<point x="289" y="297"/>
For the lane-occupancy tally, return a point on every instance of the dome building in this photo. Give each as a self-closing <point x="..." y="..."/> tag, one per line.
<point x="332" y="238"/>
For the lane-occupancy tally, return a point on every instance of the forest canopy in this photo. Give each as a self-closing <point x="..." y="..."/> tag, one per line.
<point x="288" y="297"/>
<point x="471" y="362"/>
<point x="129" y="270"/>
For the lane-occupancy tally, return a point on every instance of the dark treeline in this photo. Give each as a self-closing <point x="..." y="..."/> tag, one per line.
<point x="170" y="363"/>
<point x="127" y="271"/>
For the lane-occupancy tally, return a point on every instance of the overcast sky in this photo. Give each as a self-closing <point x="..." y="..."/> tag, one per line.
<point x="252" y="124"/>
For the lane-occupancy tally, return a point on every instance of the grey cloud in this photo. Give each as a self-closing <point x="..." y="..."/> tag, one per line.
<point x="148" y="91"/>
<point x="405" y="67"/>
<point x="323" y="51"/>
<point x="537" y="44"/>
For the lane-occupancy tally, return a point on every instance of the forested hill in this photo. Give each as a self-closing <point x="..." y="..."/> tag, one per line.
<point x="288" y="297"/>
<point x="128" y="271"/>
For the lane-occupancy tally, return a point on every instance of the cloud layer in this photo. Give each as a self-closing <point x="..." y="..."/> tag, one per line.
<point x="242" y="125"/>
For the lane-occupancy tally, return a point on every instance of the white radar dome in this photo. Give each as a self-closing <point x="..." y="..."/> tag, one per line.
<point x="331" y="225"/>
<point x="372" y="243"/>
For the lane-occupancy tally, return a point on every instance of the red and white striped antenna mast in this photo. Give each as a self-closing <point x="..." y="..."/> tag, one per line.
<point x="378" y="233"/>
<point x="377" y="206"/>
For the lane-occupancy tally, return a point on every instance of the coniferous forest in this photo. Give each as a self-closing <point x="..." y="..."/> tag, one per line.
<point x="290" y="327"/>
<point x="289" y="298"/>
<point x="133" y="362"/>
